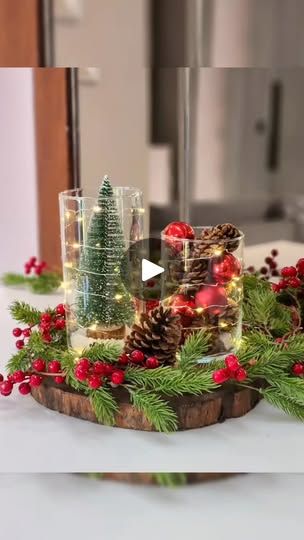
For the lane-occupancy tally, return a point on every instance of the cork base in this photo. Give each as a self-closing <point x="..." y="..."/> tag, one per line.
<point x="192" y="411"/>
<point x="107" y="332"/>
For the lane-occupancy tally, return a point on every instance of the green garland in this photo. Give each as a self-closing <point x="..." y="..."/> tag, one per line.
<point x="264" y="357"/>
<point x="44" y="284"/>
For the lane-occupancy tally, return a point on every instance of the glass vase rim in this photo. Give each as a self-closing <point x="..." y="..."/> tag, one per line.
<point x="76" y="194"/>
<point x="240" y="237"/>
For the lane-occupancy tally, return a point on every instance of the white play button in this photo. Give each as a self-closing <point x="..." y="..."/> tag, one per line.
<point x="149" y="270"/>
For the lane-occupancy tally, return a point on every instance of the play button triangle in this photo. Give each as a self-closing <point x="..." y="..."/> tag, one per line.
<point x="149" y="270"/>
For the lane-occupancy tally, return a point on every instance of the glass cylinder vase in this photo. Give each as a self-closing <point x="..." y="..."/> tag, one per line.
<point x="203" y="284"/>
<point x="95" y="235"/>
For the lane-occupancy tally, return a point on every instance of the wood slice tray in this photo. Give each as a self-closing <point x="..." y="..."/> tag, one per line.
<point x="192" y="411"/>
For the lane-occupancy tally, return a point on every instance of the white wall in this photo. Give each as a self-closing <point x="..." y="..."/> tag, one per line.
<point x="18" y="212"/>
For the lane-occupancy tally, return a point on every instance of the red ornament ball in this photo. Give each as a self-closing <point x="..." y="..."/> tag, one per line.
<point x="35" y="380"/>
<point x="17" y="332"/>
<point x="178" y="229"/>
<point x="226" y="268"/>
<point x="81" y="373"/>
<point x="137" y="356"/>
<point x="211" y="297"/>
<point x="298" y="369"/>
<point x="232" y="362"/>
<point x="59" y="379"/>
<point x="240" y="375"/>
<point x="60" y="309"/>
<point x="117" y="377"/>
<point x="19" y="344"/>
<point x="152" y="362"/>
<point x="24" y="388"/>
<point x="18" y="376"/>
<point x="183" y="305"/>
<point x="94" y="381"/>
<point x="124" y="359"/>
<point x="39" y="364"/>
<point x="54" y="366"/>
<point x="221" y="375"/>
<point x="300" y="266"/>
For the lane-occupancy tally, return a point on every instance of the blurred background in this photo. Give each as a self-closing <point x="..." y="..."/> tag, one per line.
<point x="204" y="144"/>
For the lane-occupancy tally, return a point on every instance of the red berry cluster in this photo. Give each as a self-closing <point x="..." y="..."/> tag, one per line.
<point x="33" y="265"/>
<point x="233" y="370"/>
<point x="49" y="323"/>
<point x="32" y="378"/>
<point x="97" y="373"/>
<point x="270" y="269"/>
<point x="139" y="358"/>
<point x="293" y="276"/>
<point x="298" y="369"/>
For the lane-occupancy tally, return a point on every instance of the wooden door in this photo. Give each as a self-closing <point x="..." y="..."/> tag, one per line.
<point x="54" y="171"/>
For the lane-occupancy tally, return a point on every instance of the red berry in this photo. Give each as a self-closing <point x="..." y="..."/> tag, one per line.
<point x="6" y="388"/>
<point x="117" y="377"/>
<point x="94" y="381"/>
<point x="84" y="363"/>
<point x="27" y="332"/>
<point x="18" y="376"/>
<point x="60" y="309"/>
<point x="221" y="375"/>
<point x="27" y="268"/>
<point x="54" y="366"/>
<point x="298" y="369"/>
<point x="80" y="373"/>
<point x="59" y="379"/>
<point x="45" y="327"/>
<point x="300" y="266"/>
<point x="39" y="364"/>
<point x="35" y="380"/>
<point x="264" y="270"/>
<point x="152" y="362"/>
<point x="279" y="340"/>
<point x="24" y="388"/>
<point x="1" y="378"/>
<point x="10" y="378"/>
<point x="47" y="338"/>
<point x="137" y="356"/>
<point x="38" y="269"/>
<point x="46" y="318"/>
<point x="275" y="273"/>
<point x="32" y="260"/>
<point x="60" y="324"/>
<point x="283" y="284"/>
<point x="17" y="332"/>
<point x="274" y="252"/>
<point x="232" y="362"/>
<point x="289" y="271"/>
<point x="276" y="287"/>
<point x="240" y="375"/>
<point x="269" y="260"/>
<point x="251" y="269"/>
<point x="294" y="282"/>
<point x="19" y="343"/>
<point x="123" y="359"/>
<point x="43" y="264"/>
<point x="108" y="369"/>
<point x="99" y="368"/>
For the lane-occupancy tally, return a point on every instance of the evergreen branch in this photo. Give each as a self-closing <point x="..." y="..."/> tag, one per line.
<point x="157" y="411"/>
<point x="194" y="348"/>
<point x="108" y="350"/>
<point x="20" y="360"/>
<point x="43" y="284"/>
<point x="290" y="387"/>
<point x="173" y="382"/>
<point x="170" y="479"/>
<point x="290" y="407"/>
<point x="104" y="405"/>
<point x="25" y="313"/>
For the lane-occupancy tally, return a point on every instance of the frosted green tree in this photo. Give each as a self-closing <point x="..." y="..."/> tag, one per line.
<point x="102" y="295"/>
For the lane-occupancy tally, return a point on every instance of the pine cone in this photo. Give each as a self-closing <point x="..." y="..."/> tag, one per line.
<point x="222" y="232"/>
<point x="157" y="334"/>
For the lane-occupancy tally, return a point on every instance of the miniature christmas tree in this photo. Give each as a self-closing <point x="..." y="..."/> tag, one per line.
<point x="104" y="304"/>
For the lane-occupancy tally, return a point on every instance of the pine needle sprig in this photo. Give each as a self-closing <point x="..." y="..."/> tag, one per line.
<point x="23" y="312"/>
<point x="194" y="348"/>
<point x="290" y="387"/>
<point x="109" y="351"/>
<point x="19" y="361"/>
<point x="170" y="479"/>
<point x="46" y="283"/>
<point x="281" y="401"/>
<point x="104" y="405"/>
<point x="156" y="410"/>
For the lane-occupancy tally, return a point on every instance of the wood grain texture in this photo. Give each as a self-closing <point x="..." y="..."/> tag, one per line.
<point x="192" y="411"/>
<point x="20" y="33"/>
<point x="53" y="157"/>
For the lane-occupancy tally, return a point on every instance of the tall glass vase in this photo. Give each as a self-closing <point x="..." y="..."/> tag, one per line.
<point x="95" y="235"/>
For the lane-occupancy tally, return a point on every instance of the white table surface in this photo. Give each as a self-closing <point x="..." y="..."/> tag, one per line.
<point x="48" y="507"/>
<point x="35" y="439"/>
